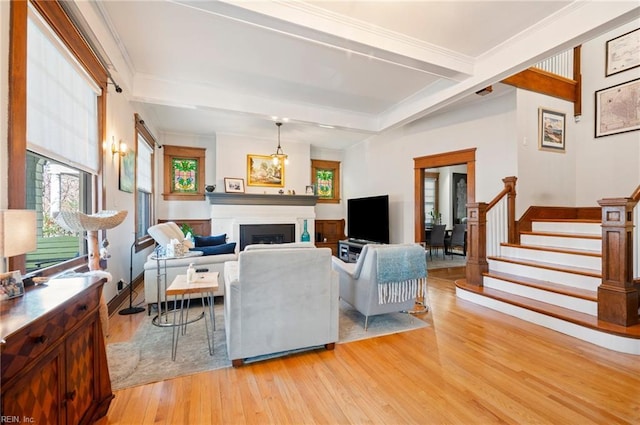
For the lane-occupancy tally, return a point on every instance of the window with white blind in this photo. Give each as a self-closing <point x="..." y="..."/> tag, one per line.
<point x="62" y="141"/>
<point x="62" y="101"/>
<point x="430" y="198"/>
<point x="144" y="180"/>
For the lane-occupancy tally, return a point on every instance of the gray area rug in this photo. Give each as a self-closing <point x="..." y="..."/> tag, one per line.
<point x="146" y="358"/>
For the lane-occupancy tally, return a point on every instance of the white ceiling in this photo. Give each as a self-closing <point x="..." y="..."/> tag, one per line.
<point x="230" y="67"/>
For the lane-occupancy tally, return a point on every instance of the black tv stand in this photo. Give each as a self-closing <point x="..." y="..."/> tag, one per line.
<point x="349" y="249"/>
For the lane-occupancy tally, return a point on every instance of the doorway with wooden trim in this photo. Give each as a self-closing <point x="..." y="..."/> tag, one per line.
<point x="421" y="164"/>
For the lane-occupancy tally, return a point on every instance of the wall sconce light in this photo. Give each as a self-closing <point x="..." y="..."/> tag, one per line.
<point x="118" y="148"/>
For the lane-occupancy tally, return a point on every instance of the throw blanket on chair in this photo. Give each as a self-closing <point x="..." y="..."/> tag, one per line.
<point x="401" y="273"/>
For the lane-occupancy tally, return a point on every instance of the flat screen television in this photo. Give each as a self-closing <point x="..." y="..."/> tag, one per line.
<point x="368" y="219"/>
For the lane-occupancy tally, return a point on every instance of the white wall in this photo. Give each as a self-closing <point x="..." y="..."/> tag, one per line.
<point x="608" y="167"/>
<point x="545" y="178"/>
<point x="231" y="161"/>
<point x="121" y="126"/>
<point x="384" y="164"/>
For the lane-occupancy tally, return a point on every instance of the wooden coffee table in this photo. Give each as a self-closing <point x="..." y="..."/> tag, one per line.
<point x="204" y="283"/>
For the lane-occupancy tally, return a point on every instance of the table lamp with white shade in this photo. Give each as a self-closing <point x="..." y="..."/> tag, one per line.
<point x="17" y="234"/>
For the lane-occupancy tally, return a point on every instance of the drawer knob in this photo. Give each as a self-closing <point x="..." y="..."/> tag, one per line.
<point x="83" y="307"/>
<point x="71" y="395"/>
<point x="41" y="339"/>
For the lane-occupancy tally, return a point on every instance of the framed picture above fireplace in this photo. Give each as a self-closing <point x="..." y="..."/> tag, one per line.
<point x="261" y="171"/>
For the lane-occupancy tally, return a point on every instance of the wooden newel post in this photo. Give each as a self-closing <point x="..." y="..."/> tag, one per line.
<point x="617" y="295"/>
<point x="476" y="242"/>
<point x="510" y="183"/>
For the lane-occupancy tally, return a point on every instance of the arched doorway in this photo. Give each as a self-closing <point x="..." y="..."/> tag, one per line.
<point x="467" y="156"/>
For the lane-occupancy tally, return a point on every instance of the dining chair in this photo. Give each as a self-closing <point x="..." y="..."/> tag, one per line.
<point x="436" y="239"/>
<point x="458" y="239"/>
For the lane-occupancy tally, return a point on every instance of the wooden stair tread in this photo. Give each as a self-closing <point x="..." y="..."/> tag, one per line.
<point x="561" y="313"/>
<point x="549" y="266"/>
<point x="562" y="234"/>
<point x="586" y="252"/>
<point x="567" y="220"/>
<point x="557" y="288"/>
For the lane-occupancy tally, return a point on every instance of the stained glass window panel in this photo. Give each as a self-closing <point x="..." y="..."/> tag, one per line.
<point x="325" y="179"/>
<point x="184" y="175"/>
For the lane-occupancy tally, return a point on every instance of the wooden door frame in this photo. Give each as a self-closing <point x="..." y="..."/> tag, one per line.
<point x="420" y="164"/>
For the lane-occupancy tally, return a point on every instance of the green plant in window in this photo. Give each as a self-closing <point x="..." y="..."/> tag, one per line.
<point x="324" y="180"/>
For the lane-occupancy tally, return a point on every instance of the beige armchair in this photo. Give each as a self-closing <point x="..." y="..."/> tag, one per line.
<point x="385" y="279"/>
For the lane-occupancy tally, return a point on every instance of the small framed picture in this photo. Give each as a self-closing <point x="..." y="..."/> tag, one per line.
<point x="551" y="132"/>
<point x="11" y="285"/>
<point x="623" y="53"/>
<point x="233" y="185"/>
<point x="310" y="190"/>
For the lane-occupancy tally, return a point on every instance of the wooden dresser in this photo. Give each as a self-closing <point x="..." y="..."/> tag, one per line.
<point x="329" y="233"/>
<point x="53" y="356"/>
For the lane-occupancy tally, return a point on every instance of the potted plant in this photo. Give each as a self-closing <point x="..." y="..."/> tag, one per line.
<point x="436" y="217"/>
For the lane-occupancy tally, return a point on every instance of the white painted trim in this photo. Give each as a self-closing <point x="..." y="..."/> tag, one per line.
<point x="601" y="339"/>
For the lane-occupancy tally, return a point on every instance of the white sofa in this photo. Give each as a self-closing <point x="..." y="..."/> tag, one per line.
<point x="280" y="298"/>
<point x="163" y="233"/>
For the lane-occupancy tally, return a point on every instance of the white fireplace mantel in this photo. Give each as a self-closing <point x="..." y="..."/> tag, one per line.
<point x="219" y="198"/>
<point x="227" y="218"/>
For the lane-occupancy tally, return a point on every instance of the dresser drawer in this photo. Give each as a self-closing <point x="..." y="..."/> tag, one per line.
<point x="22" y="347"/>
<point x="75" y="311"/>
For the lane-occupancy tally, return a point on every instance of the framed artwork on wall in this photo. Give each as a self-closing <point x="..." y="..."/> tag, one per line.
<point x="262" y="171"/>
<point x="617" y="109"/>
<point x="127" y="170"/>
<point x="623" y="52"/>
<point x="183" y="173"/>
<point x="551" y="130"/>
<point x="459" y="197"/>
<point x="233" y="185"/>
<point x="325" y="178"/>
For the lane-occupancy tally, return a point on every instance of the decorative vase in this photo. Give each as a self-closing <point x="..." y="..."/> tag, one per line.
<point x="305" y="234"/>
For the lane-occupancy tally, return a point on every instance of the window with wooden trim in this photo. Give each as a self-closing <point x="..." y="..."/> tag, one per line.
<point x="183" y="173"/>
<point x="57" y="111"/>
<point x="145" y="207"/>
<point x="325" y="177"/>
<point x="431" y="211"/>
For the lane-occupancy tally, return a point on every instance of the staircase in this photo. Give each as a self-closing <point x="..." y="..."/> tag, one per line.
<point x="551" y="278"/>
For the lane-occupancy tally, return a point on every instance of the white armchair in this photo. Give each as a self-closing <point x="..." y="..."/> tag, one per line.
<point x="385" y="279"/>
<point x="280" y="298"/>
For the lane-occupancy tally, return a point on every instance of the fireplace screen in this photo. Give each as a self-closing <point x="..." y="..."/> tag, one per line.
<point x="266" y="234"/>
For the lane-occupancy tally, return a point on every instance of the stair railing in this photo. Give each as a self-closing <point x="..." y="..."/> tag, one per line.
<point x="489" y="225"/>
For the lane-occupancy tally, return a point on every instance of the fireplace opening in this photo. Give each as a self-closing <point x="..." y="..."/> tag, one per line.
<point x="266" y="233"/>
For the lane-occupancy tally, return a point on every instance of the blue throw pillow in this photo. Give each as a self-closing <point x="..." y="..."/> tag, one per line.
<point x="227" y="248"/>
<point x="210" y="240"/>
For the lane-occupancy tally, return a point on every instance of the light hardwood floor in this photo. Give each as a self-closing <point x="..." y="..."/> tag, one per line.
<point x="472" y="365"/>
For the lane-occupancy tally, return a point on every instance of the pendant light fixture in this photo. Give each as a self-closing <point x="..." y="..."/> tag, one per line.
<point x="279" y="156"/>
